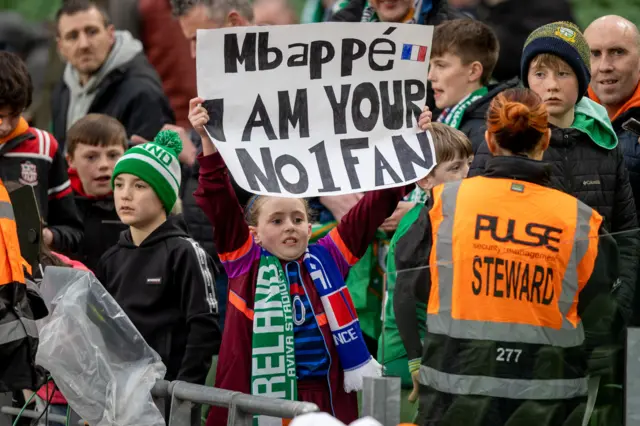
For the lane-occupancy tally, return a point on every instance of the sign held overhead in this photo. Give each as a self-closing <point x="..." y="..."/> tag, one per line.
<point x="320" y="109"/>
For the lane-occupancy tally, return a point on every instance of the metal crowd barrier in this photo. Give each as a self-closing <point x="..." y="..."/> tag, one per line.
<point x="632" y="377"/>
<point x="380" y="399"/>
<point x="242" y="407"/>
<point x="186" y="397"/>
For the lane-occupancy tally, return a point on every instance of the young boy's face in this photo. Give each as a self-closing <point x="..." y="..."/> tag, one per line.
<point x="94" y="165"/>
<point x="449" y="79"/>
<point x="556" y="84"/>
<point x="391" y="10"/>
<point x="447" y="171"/>
<point x="8" y="121"/>
<point x="136" y="202"/>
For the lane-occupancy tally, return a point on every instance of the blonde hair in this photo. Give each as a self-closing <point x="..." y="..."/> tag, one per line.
<point x="449" y="143"/>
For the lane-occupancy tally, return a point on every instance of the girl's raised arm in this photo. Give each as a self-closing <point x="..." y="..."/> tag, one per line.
<point x="216" y="196"/>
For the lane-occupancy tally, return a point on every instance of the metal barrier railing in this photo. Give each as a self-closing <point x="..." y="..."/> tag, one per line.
<point x="380" y="398"/>
<point x="30" y="414"/>
<point x="184" y="397"/>
<point x="242" y="407"/>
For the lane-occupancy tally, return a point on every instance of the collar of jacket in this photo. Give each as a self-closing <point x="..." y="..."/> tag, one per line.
<point x="591" y="119"/>
<point x="518" y="168"/>
<point x="479" y="108"/>
<point x="632" y="102"/>
<point x="78" y="188"/>
<point x="20" y="129"/>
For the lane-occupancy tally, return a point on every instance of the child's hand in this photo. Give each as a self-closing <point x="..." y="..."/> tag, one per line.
<point x="424" y="121"/>
<point x="415" y="393"/>
<point x="47" y="237"/>
<point x="198" y="116"/>
<point x="391" y="223"/>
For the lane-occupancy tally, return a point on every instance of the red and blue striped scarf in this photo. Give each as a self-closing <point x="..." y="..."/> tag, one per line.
<point x="273" y="371"/>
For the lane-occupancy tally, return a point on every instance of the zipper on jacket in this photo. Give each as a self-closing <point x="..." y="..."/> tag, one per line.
<point x="568" y="176"/>
<point x="333" y="411"/>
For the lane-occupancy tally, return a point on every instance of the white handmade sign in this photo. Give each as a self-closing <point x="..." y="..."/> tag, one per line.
<point x="318" y="109"/>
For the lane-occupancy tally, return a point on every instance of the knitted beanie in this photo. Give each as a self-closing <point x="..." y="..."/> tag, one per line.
<point x="562" y="39"/>
<point x="157" y="164"/>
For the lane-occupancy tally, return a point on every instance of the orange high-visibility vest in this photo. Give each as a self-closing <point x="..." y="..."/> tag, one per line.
<point x="508" y="262"/>
<point x="11" y="262"/>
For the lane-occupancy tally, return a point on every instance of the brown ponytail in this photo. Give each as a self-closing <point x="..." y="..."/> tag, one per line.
<point x="518" y="119"/>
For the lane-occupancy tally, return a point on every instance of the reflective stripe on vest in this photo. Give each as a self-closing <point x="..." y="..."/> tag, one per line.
<point x="6" y="211"/>
<point x="567" y="330"/>
<point x="503" y="388"/>
<point x="18" y="329"/>
<point x="508" y="263"/>
<point x="11" y="262"/>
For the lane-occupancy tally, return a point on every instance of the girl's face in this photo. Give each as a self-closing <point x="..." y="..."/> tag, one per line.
<point x="283" y="227"/>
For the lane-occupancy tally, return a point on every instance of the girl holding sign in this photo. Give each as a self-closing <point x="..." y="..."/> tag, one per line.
<point x="291" y="330"/>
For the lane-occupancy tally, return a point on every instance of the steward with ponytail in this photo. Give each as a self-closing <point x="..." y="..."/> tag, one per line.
<point x="518" y="124"/>
<point x="585" y="161"/>
<point x="498" y="348"/>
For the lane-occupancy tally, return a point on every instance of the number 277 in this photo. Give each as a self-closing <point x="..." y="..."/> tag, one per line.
<point x="507" y="355"/>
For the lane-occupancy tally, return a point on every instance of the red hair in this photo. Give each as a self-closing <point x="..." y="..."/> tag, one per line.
<point x="518" y="119"/>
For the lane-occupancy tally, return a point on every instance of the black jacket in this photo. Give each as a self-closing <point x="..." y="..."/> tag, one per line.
<point x="597" y="177"/>
<point x="36" y="159"/>
<point x="166" y="286"/>
<point x="20" y="306"/>
<point x="478" y="357"/>
<point x="474" y="120"/>
<point x="630" y="150"/>
<point x="199" y="225"/>
<point x="197" y="222"/>
<point x="132" y="94"/>
<point x="102" y="228"/>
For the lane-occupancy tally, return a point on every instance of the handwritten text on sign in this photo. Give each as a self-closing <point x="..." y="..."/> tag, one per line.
<point x="320" y="109"/>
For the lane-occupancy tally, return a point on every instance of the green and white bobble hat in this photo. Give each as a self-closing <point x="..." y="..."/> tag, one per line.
<point x="157" y="164"/>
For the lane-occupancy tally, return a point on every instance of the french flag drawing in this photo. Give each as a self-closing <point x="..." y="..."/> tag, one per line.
<point x="342" y="312"/>
<point x="414" y="52"/>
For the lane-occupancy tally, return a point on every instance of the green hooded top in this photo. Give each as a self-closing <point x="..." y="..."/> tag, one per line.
<point x="390" y="346"/>
<point x="592" y="119"/>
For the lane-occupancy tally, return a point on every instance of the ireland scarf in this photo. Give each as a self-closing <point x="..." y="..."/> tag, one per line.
<point x="273" y="367"/>
<point x="453" y="116"/>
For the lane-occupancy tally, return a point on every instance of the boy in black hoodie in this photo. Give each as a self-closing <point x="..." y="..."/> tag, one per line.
<point x="94" y="145"/>
<point x="162" y="278"/>
<point x="463" y="56"/>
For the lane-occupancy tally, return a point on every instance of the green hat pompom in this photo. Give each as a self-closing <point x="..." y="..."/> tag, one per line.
<point x="170" y="140"/>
